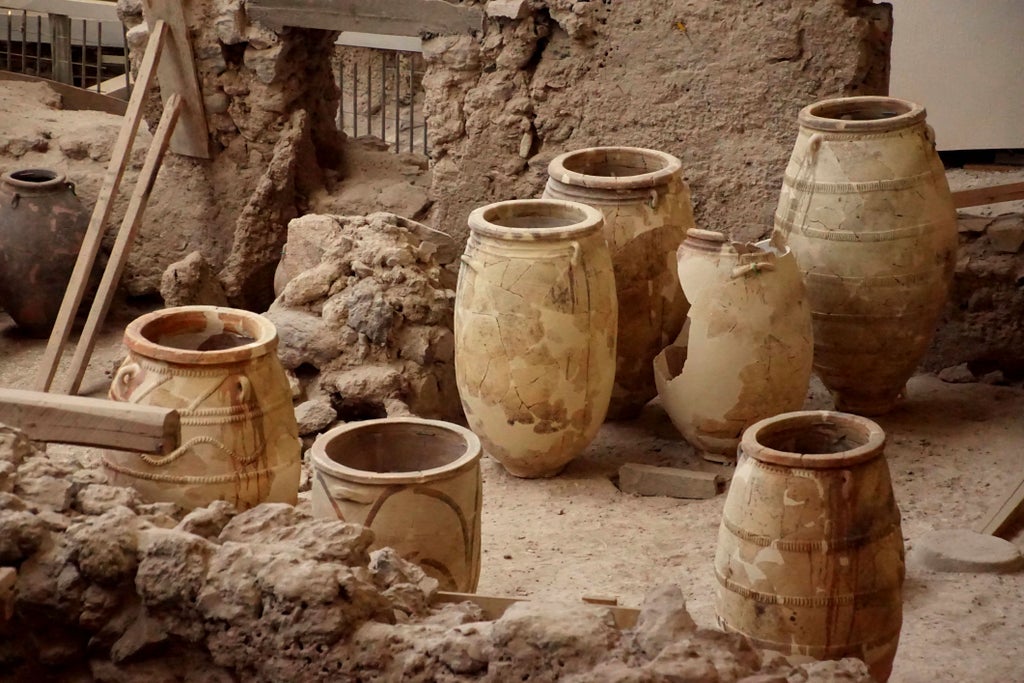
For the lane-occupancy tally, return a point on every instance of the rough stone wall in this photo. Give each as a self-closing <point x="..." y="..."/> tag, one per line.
<point x="269" y="99"/>
<point x="97" y="585"/>
<point x="717" y="84"/>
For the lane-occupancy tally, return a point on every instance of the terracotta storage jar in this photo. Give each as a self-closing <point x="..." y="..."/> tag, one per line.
<point x="415" y="483"/>
<point x="535" y="317"/>
<point x="866" y="210"/>
<point x="218" y="367"/>
<point x="746" y="350"/>
<point x="810" y="550"/>
<point x="647" y="211"/>
<point x="42" y="225"/>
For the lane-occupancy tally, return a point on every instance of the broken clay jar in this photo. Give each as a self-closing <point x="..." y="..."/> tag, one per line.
<point x="810" y="550"/>
<point x="414" y="482"/>
<point x="42" y="225"/>
<point x="867" y="211"/>
<point x="646" y="207"/>
<point x="535" y="317"/>
<point x="746" y="350"/>
<point x="219" y="369"/>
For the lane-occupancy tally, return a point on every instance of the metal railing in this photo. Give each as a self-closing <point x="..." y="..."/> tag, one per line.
<point x="382" y="91"/>
<point x="85" y="49"/>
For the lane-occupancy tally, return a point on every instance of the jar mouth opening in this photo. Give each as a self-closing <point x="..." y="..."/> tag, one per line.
<point x="614" y="167"/>
<point x="34" y="178"/>
<point x="201" y="335"/>
<point x="396" y="450"/>
<point x="535" y="219"/>
<point x="814" y="439"/>
<point x="861" y="114"/>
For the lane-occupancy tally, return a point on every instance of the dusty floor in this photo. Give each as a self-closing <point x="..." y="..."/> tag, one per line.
<point x="953" y="450"/>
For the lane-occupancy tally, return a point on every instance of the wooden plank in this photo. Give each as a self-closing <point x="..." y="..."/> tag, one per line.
<point x="60" y="47"/>
<point x="1000" y="516"/>
<point x="394" y="17"/>
<point x="176" y="74"/>
<point x="101" y="211"/>
<point x="988" y="195"/>
<point x="72" y="98"/>
<point x="90" y="421"/>
<point x="122" y="245"/>
<point x="494" y="606"/>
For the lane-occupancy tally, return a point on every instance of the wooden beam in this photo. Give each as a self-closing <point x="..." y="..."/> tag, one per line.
<point x="988" y="195"/>
<point x="394" y="17"/>
<point x="72" y="98"/>
<point x="60" y="47"/>
<point x="1001" y="515"/>
<point x="494" y="606"/>
<point x="122" y="245"/>
<point x="101" y="211"/>
<point x="176" y="74"/>
<point x="90" y="421"/>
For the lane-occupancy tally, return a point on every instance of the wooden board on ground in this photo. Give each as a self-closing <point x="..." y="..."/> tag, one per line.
<point x="494" y="606"/>
<point x="1000" y="517"/>
<point x="88" y="421"/>
<point x="395" y="17"/>
<point x="988" y="195"/>
<point x="72" y="98"/>
<point x="176" y="74"/>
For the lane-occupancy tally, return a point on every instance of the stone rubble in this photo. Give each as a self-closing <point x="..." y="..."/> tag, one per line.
<point x="96" y="585"/>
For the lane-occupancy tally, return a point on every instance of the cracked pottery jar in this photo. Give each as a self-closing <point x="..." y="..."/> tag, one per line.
<point x="42" y="225"/>
<point x="810" y="550"/>
<point x="218" y="368"/>
<point x="414" y="482"/>
<point x="746" y="350"/>
<point x="647" y="211"/>
<point x="535" y="320"/>
<point x="866" y="209"/>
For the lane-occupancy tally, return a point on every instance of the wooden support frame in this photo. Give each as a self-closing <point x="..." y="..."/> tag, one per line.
<point x="988" y="195"/>
<point x="393" y="17"/>
<point x="90" y="421"/>
<point x="1001" y="515"/>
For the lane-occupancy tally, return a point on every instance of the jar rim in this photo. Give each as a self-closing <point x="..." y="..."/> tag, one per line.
<point x="35" y="178"/>
<point x="861" y="114"/>
<point x="869" y="436"/>
<point x="139" y="335"/>
<point x="472" y="452"/>
<point x="662" y="167"/>
<point x="575" y="220"/>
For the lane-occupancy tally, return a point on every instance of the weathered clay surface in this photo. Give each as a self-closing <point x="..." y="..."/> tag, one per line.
<point x="684" y="77"/>
<point x="647" y="211"/>
<point x="867" y="211"/>
<point x="218" y="368"/>
<point x="746" y="350"/>
<point x="146" y="593"/>
<point x="535" y="330"/>
<point x="810" y="549"/>
<point x="365" y="314"/>
<point x="415" y="483"/>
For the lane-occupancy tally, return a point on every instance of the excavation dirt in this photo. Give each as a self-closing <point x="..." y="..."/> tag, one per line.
<point x="954" y="450"/>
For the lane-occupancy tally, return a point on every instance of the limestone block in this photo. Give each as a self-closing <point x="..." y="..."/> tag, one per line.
<point x="508" y="9"/>
<point x="648" y="480"/>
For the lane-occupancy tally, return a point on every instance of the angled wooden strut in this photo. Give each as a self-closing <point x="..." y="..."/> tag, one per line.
<point x="182" y="127"/>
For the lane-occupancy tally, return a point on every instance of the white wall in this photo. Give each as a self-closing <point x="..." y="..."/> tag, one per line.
<point x="964" y="61"/>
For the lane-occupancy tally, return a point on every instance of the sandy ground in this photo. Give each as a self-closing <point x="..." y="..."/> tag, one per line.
<point x="954" y="450"/>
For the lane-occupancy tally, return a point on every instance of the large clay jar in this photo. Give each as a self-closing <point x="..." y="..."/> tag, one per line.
<point x="646" y="206"/>
<point x="746" y="350"/>
<point x="218" y="368"/>
<point x="42" y="225"/>
<point x="810" y="550"/>
<point x="415" y="483"/>
<point x="535" y="317"/>
<point x="866" y="210"/>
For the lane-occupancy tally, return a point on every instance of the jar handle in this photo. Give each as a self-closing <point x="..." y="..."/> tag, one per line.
<point x="654" y="199"/>
<point x="751" y="268"/>
<point x="814" y="145"/>
<point x="124" y="376"/>
<point x="71" y="186"/>
<point x="474" y="265"/>
<point x="575" y="260"/>
<point x="15" y="200"/>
